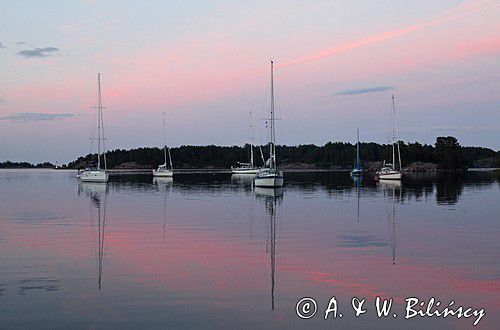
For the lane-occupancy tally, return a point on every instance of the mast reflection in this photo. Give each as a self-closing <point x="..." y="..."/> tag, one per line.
<point x="97" y="193"/>
<point x="165" y="184"/>
<point x="272" y="200"/>
<point x="394" y="193"/>
<point x="357" y="182"/>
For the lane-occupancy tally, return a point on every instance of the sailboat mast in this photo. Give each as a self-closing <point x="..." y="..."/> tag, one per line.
<point x="170" y="159"/>
<point x="99" y="106"/>
<point x="393" y="133"/>
<point x="251" y="154"/>
<point x="357" y="152"/>
<point x="399" y="156"/>
<point x="251" y="139"/>
<point x="165" y="139"/>
<point x="272" y="151"/>
<point x="262" y="156"/>
<point x="103" y="136"/>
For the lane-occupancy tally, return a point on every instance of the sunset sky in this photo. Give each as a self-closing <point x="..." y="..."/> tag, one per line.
<point x="206" y="64"/>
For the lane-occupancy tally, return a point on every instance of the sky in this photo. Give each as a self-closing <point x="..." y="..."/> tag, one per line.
<point x="206" y="65"/>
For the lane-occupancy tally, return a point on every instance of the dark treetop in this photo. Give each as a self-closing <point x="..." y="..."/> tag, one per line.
<point x="446" y="153"/>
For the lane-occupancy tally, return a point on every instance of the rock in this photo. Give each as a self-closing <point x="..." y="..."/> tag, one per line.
<point x="373" y="167"/>
<point x="131" y="165"/>
<point x="486" y="163"/>
<point x="420" y="167"/>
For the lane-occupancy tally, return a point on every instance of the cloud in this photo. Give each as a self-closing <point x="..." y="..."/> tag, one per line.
<point x="25" y="117"/>
<point x="366" y="90"/>
<point x="1" y="45"/>
<point x="37" y="52"/>
<point x="469" y="8"/>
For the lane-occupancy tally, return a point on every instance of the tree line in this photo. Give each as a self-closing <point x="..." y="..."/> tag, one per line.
<point x="9" y="164"/>
<point x="447" y="153"/>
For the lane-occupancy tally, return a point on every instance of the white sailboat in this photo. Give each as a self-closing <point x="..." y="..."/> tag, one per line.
<point x="96" y="174"/>
<point x="247" y="168"/>
<point x="357" y="171"/>
<point x="162" y="170"/>
<point x="389" y="171"/>
<point x="269" y="176"/>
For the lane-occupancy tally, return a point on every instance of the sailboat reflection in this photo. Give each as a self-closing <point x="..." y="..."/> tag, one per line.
<point x="242" y="179"/>
<point x="393" y="192"/>
<point x="272" y="199"/>
<point x="165" y="184"/>
<point x="97" y="192"/>
<point x="357" y="182"/>
<point x="163" y="180"/>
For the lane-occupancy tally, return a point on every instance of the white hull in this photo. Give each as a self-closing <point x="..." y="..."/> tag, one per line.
<point x="244" y="170"/>
<point x="163" y="174"/>
<point x="356" y="172"/>
<point x="94" y="176"/>
<point x="390" y="176"/>
<point x="271" y="181"/>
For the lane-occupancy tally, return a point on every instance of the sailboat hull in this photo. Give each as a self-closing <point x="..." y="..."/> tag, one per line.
<point x="392" y="175"/>
<point x="356" y="172"/>
<point x="94" y="176"/>
<point x="163" y="174"/>
<point x="236" y="170"/>
<point x="269" y="179"/>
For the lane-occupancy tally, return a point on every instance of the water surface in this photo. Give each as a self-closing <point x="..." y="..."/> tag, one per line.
<point x="211" y="251"/>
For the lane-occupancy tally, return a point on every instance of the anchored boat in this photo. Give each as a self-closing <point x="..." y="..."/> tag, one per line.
<point x="389" y="171"/>
<point x="357" y="171"/>
<point x="162" y="170"/>
<point x="95" y="173"/>
<point x="269" y="176"/>
<point x="247" y="168"/>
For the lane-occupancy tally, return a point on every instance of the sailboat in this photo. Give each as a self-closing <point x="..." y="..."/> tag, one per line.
<point x="247" y="168"/>
<point x="269" y="176"/>
<point x="389" y="171"/>
<point x="96" y="174"/>
<point x="162" y="170"/>
<point x="357" y="171"/>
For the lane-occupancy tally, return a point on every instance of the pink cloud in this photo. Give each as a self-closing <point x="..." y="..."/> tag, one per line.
<point x="481" y="47"/>
<point x="469" y="8"/>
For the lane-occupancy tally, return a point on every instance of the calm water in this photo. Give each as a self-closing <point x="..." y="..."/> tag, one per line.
<point x="210" y="251"/>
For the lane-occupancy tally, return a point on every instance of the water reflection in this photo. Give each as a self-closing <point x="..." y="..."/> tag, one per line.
<point x="165" y="184"/>
<point x="38" y="284"/>
<point x="97" y="193"/>
<point x="272" y="201"/>
<point x="393" y="196"/>
<point x="163" y="181"/>
<point x="242" y="179"/>
<point x="357" y="183"/>
<point x="222" y="267"/>
<point x="449" y="188"/>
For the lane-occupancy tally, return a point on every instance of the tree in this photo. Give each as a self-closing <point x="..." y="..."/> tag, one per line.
<point x="448" y="153"/>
